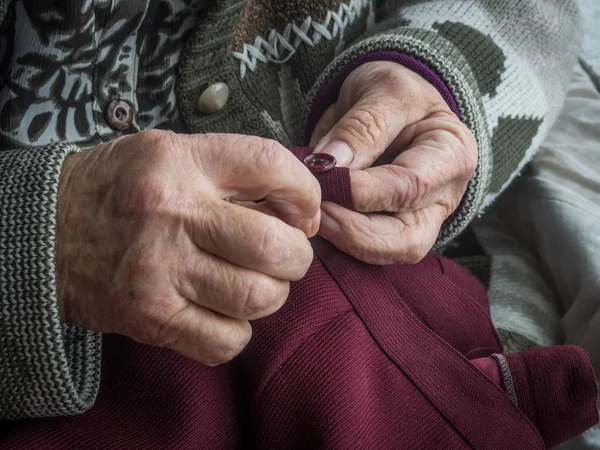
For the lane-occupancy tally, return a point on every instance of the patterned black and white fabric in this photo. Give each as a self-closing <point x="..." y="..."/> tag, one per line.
<point x="56" y="82"/>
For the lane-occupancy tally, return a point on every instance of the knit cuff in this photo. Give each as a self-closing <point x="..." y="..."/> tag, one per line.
<point x="556" y="388"/>
<point x="445" y="63"/>
<point x="46" y="368"/>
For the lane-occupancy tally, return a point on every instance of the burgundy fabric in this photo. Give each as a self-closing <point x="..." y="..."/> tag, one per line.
<point x="335" y="183"/>
<point x="559" y="414"/>
<point x="359" y="357"/>
<point x="489" y="367"/>
<point x="329" y="94"/>
<point x="442" y="374"/>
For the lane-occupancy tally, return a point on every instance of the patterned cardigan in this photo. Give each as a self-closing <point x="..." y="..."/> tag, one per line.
<point x="506" y="64"/>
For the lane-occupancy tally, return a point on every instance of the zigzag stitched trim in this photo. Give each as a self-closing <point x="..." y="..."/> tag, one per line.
<point x="280" y="47"/>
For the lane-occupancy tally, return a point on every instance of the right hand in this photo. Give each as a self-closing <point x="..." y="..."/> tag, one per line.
<point x="149" y="247"/>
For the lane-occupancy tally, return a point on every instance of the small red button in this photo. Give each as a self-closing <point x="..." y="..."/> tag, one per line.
<point x="319" y="162"/>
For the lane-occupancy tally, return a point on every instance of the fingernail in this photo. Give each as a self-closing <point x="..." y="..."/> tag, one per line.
<point x="329" y="225"/>
<point x="341" y="151"/>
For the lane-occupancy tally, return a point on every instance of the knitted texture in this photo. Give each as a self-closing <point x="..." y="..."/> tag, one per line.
<point x="329" y="371"/>
<point x="46" y="369"/>
<point x="535" y="371"/>
<point x="505" y="65"/>
<point x="357" y="358"/>
<point x="455" y="40"/>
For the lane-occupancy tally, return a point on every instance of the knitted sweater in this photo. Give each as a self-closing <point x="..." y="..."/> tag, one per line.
<point x="506" y="64"/>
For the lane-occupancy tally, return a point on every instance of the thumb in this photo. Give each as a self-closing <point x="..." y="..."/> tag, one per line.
<point x="378" y="100"/>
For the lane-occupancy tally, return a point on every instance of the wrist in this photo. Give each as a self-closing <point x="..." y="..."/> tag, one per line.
<point x="65" y="190"/>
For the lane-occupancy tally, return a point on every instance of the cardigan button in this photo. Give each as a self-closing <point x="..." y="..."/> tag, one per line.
<point x="320" y="162"/>
<point x="214" y="98"/>
<point x="118" y="115"/>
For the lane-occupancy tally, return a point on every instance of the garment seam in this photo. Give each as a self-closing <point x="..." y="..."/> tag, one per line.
<point x="507" y="378"/>
<point x="278" y="48"/>
<point x="475" y="371"/>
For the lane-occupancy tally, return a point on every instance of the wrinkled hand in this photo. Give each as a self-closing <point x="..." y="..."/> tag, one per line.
<point x="149" y="247"/>
<point x="387" y="114"/>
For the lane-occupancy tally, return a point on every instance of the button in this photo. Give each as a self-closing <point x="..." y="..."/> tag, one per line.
<point x="119" y="115"/>
<point x="320" y="162"/>
<point x="214" y="98"/>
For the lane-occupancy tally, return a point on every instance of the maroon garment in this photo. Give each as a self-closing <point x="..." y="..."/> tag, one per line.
<point x="360" y="357"/>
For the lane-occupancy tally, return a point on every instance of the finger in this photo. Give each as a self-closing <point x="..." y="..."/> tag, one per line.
<point x="436" y="167"/>
<point x="379" y="238"/>
<point x="252" y="168"/>
<point x="205" y="336"/>
<point x="230" y="290"/>
<point x="378" y="101"/>
<point x="262" y="207"/>
<point x="325" y="123"/>
<point x="250" y="239"/>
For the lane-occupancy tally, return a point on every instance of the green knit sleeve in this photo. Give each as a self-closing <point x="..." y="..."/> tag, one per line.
<point x="507" y="64"/>
<point x="46" y="368"/>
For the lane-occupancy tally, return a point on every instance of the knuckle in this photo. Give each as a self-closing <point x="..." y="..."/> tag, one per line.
<point x="271" y="158"/>
<point x="304" y="258"/>
<point x="262" y="295"/>
<point x="364" y="124"/>
<point x="159" y="324"/>
<point x="424" y="184"/>
<point x="414" y="189"/>
<point x="229" y="342"/>
<point x="279" y="246"/>
<point x="140" y="267"/>
<point x="269" y="245"/>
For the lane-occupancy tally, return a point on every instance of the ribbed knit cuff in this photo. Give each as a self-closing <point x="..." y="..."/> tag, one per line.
<point x="46" y="368"/>
<point x="556" y="388"/>
<point x="449" y="65"/>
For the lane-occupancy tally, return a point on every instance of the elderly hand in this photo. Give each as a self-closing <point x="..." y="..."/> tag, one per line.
<point x="149" y="246"/>
<point x="387" y="113"/>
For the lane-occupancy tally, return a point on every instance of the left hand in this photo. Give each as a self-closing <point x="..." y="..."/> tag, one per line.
<point x="390" y="114"/>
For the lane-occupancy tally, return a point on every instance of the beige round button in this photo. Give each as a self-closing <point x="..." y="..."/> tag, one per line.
<point x="214" y="98"/>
